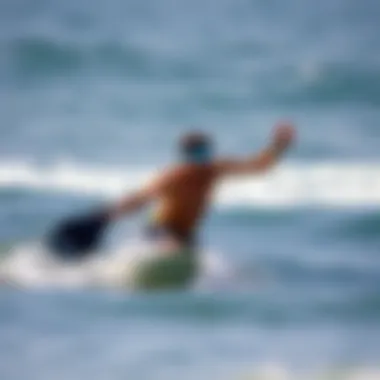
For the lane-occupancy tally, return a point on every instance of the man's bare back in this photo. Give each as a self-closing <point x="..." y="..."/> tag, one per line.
<point x="183" y="205"/>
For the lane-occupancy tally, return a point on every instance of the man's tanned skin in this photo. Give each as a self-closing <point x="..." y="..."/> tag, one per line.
<point x="182" y="193"/>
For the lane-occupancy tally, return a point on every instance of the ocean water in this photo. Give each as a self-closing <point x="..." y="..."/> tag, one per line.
<point x="93" y="96"/>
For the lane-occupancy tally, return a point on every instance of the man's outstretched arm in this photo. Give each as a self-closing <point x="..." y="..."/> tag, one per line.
<point x="283" y="138"/>
<point x="137" y="200"/>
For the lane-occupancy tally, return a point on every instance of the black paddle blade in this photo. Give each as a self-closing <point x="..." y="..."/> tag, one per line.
<point x="77" y="237"/>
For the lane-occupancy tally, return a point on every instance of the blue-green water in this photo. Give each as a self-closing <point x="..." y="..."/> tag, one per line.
<point x="93" y="97"/>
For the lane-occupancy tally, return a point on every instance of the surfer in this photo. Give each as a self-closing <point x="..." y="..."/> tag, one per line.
<point x="181" y="195"/>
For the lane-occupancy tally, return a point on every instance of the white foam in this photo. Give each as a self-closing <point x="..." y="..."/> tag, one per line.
<point x="32" y="266"/>
<point x="330" y="184"/>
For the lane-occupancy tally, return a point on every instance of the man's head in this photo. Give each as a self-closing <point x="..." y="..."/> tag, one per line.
<point x="196" y="148"/>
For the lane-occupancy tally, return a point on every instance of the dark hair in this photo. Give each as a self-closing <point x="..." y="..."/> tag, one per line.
<point x="195" y="147"/>
<point x="193" y="140"/>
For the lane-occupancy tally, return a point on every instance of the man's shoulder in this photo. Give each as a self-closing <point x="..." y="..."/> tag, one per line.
<point x="193" y="169"/>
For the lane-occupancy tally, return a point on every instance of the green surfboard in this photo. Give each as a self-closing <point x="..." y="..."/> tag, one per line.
<point x="169" y="271"/>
